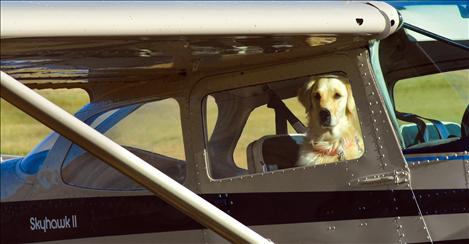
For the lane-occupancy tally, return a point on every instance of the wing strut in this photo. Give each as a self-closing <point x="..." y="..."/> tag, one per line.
<point x="110" y="152"/>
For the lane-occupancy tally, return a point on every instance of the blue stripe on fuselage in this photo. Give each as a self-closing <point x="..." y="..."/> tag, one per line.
<point x="435" y="158"/>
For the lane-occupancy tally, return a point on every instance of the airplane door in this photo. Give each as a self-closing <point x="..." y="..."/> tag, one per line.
<point x="365" y="199"/>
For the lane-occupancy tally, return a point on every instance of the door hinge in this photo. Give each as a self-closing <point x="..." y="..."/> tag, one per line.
<point x="394" y="177"/>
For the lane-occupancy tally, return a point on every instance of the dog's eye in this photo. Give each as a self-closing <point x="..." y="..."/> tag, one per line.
<point x="337" y="96"/>
<point x="317" y="96"/>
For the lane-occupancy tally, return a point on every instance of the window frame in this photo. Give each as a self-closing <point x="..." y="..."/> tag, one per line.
<point x="402" y="122"/>
<point x="354" y="63"/>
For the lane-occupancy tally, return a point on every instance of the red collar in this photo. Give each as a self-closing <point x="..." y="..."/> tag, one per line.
<point x="326" y="152"/>
<point x="334" y="151"/>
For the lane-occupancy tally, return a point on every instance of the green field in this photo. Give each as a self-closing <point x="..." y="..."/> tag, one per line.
<point x="441" y="96"/>
<point x="155" y="127"/>
<point x="20" y="132"/>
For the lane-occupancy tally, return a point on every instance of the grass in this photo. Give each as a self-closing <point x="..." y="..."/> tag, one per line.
<point x="154" y="127"/>
<point x="20" y="132"/>
<point x="441" y="96"/>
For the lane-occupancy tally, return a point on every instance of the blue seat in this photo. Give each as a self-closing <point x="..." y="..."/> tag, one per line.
<point x="409" y="132"/>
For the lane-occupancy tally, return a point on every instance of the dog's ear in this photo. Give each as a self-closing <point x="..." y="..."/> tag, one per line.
<point x="304" y="94"/>
<point x="350" y="101"/>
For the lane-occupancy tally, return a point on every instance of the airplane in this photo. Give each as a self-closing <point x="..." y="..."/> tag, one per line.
<point x="196" y="102"/>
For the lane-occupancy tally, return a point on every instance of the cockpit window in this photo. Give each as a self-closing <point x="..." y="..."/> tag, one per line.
<point x="152" y="131"/>
<point x="431" y="109"/>
<point x="300" y="122"/>
<point x="425" y="66"/>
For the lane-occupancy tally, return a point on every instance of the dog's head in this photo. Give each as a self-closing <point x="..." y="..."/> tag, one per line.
<point x="327" y="100"/>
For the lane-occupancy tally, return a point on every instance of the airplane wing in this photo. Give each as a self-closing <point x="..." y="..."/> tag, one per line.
<point x="66" y="44"/>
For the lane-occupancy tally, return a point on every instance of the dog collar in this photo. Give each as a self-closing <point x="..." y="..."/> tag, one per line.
<point x="336" y="151"/>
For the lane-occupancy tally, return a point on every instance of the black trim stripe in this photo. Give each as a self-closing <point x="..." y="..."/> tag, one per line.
<point x="101" y="216"/>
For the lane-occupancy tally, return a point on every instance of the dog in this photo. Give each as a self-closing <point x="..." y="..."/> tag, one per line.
<point x="333" y="132"/>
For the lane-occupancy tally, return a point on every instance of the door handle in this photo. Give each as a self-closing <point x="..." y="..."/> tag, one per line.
<point x="394" y="177"/>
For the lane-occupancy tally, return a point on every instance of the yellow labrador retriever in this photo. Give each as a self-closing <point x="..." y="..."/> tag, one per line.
<point x="333" y="132"/>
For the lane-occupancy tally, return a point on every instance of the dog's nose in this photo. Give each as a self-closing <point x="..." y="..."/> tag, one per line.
<point x="325" y="117"/>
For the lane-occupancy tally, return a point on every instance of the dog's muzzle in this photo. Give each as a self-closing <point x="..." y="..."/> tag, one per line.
<point x="325" y="117"/>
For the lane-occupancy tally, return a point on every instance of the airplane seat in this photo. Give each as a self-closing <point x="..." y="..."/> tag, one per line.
<point x="273" y="152"/>
<point x="458" y="141"/>
<point x="409" y="132"/>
